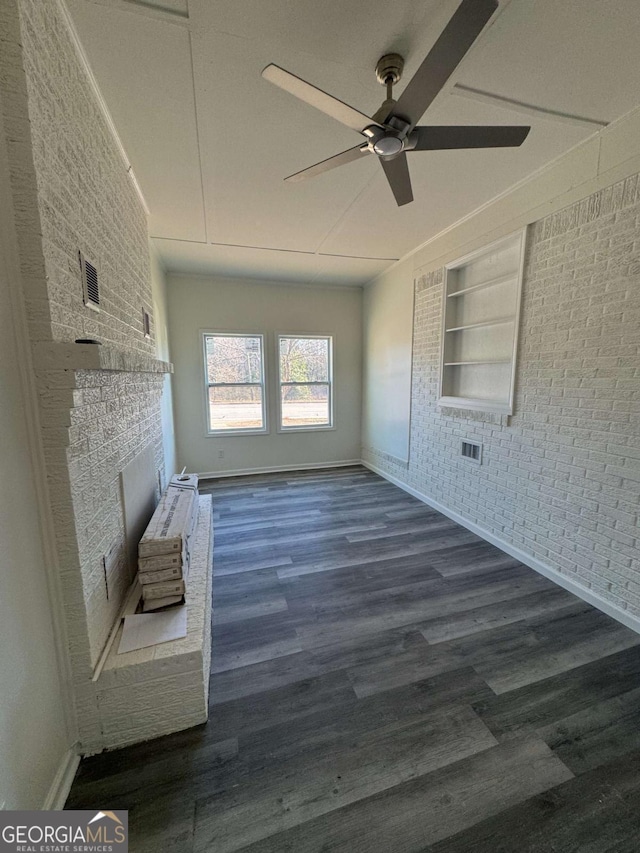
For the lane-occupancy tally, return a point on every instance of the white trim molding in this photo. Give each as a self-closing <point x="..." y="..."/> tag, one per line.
<point x="276" y="469"/>
<point x="62" y="782"/>
<point x="524" y="108"/>
<point x="617" y="613"/>
<point x="10" y="266"/>
<point x="102" y="104"/>
<point x="148" y="9"/>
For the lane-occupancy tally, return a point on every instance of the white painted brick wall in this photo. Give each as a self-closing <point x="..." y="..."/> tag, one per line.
<point x="85" y="201"/>
<point x="560" y="479"/>
<point x="117" y="416"/>
<point x="71" y="191"/>
<point x="85" y="198"/>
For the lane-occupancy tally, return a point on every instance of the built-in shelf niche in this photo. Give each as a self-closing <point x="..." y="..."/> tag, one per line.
<point x="480" y="327"/>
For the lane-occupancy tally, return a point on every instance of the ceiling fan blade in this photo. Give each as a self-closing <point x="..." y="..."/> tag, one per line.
<point x="455" y="40"/>
<point x="450" y="136"/>
<point x="347" y="156"/>
<point x="397" y="172"/>
<point x="317" y="98"/>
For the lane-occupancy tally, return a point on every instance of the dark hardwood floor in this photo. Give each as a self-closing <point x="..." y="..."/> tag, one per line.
<point x="386" y="682"/>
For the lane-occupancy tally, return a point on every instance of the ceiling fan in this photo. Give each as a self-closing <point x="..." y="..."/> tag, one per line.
<point x="393" y="130"/>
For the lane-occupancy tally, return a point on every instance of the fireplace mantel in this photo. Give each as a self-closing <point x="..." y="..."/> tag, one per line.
<point x="63" y="355"/>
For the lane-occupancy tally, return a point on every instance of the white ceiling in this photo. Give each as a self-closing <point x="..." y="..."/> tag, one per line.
<point x="210" y="141"/>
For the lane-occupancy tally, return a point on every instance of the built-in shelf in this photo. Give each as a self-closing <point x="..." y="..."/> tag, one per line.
<point x="477" y="361"/>
<point x="477" y="366"/>
<point x="476" y="404"/>
<point x="492" y="282"/>
<point x="497" y="322"/>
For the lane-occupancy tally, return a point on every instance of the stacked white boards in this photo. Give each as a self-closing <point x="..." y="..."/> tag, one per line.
<point x="163" y="688"/>
<point x="164" y="551"/>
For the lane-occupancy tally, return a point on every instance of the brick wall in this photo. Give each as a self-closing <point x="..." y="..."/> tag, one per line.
<point x="86" y="200"/>
<point x="111" y="417"/>
<point x="71" y="191"/>
<point x="560" y="480"/>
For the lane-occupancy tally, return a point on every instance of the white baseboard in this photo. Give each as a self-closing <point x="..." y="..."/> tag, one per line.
<point x="62" y="782"/>
<point x="276" y="469"/>
<point x="582" y="592"/>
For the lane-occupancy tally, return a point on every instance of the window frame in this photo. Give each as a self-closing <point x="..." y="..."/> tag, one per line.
<point x="211" y="433"/>
<point x="330" y="383"/>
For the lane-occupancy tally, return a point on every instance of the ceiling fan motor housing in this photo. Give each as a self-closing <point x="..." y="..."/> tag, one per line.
<point x="390" y="140"/>
<point x="388" y="145"/>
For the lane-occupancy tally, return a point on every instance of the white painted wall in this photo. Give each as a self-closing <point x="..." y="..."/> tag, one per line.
<point x="387" y="335"/>
<point x="33" y="735"/>
<point x="559" y="480"/>
<point x="160" y="323"/>
<point x="197" y="303"/>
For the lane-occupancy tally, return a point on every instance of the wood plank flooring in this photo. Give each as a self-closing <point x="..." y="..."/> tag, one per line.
<point x="384" y="681"/>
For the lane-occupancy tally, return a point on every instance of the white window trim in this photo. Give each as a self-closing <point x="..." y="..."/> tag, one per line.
<point x="217" y="433"/>
<point x="312" y="427"/>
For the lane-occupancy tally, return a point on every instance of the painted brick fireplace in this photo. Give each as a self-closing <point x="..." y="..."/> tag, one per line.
<point x="98" y="405"/>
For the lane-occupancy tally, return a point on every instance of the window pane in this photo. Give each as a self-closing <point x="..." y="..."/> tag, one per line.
<point x="305" y="405"/>
<point x="304" y="359"/>
<point x="234" y="358"/>
<point x="236" y="407"/>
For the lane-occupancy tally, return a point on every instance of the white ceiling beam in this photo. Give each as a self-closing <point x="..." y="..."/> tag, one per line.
<point x="526" y="109"/>
<point x="102" y="104"/>
<point x="147" y="9"/>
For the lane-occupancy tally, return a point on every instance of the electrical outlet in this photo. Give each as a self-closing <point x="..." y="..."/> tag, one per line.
<point x="221" y="454"/>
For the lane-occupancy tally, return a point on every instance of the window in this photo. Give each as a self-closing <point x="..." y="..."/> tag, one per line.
<point x="234" y="371"/>
<point x="305" y="371"/>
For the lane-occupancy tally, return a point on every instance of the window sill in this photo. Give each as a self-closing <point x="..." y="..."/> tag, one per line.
<point x="235" y="432"/>
<point x="285" y="430"/>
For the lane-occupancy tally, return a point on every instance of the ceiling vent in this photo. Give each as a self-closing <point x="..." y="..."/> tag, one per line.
<point x="472" y="450"/>
<point x="90" y="287"/>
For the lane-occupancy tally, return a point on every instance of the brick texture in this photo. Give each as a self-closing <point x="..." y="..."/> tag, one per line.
<point x="86" y="200"/>
<point x="112" y="417"/>
<point x="561" y="478"/>
<point x="71" y="191"/>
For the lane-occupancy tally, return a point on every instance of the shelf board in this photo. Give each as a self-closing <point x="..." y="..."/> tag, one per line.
<point x="502" y="279"/>
<point x="498" y="321"/>
<point x="502" y="407"/>
<point x="65" y="355"/>
<point x="492" y="361"/>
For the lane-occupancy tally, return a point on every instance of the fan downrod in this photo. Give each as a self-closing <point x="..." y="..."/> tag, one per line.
<point x="389" y="70"/>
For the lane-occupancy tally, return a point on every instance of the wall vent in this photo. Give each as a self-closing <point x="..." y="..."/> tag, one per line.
<point x="146" y="323"/>
<point x="90" y="287"/>
<point x="471" y="450"/>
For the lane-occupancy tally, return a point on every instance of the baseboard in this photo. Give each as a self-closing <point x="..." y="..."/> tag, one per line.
<point x="276" y="469"/>
<point x="582" y="592"/>
<point x="62" y="782"/>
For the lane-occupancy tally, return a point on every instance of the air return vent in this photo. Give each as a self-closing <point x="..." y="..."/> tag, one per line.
<point x="472" y="450"/>
<point x="90" y="288"/>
